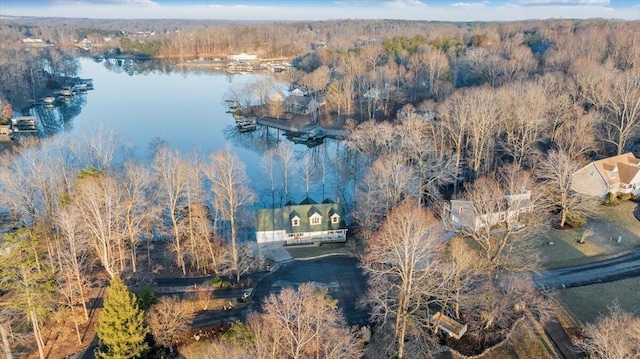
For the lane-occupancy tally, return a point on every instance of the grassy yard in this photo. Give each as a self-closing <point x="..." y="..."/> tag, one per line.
<point x="609" y="224"/>
<point x="586" y="303"/>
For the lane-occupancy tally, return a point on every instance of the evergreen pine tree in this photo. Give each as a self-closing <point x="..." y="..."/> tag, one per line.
<point x="121" y="330"/>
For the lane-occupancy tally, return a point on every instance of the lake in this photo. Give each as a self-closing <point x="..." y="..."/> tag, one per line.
<point x="147" y="100"/>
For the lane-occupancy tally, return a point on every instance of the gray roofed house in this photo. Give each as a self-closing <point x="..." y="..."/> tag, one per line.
<point x="464" y="215"/>
<point x="306" y="223"/>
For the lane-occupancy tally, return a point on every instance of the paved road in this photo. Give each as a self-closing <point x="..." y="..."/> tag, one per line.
<point x="609" y="270"/>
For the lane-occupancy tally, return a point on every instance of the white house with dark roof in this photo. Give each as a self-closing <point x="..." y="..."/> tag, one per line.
<point x="617" y="174"/>
<point x="305" y="223"/>
<point x="465" y="215"/>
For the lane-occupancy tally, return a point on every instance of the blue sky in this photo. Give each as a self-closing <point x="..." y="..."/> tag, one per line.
<point x="442" y="10"/>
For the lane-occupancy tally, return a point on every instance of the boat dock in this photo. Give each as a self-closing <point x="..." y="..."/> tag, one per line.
<point x="23" y="124"/>
<point x="306" y="128"/>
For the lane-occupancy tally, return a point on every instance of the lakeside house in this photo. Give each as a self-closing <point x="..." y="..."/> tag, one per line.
<point x="5" y="133"/>
<point x="308" y="222"/>
<point x="617" y="174"/>
<point x="242" y="57"/>
<point x="464" y="215"/>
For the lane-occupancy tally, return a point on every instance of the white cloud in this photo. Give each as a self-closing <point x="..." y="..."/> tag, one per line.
<point x="561" y="2"/>
<point x="105" y="2"/>
<point x="405" y="3"/>
<point x="469" y="5"/>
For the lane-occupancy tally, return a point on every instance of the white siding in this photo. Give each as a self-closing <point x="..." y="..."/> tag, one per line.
<point x="589" y="181"/>
<point x="270" y="236"/>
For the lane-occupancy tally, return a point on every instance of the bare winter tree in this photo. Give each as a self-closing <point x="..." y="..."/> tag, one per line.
<point x="268" y="164"/>
<point x="102" y="147"/>
<point x="522" y="120"/>
<point x="167" y="319"/>
<point x="284" y="154"/>
<point x="616" y="95"/>
<point x="73" y="253"/>
<point x="140" y="212"/>
<point x="556" y="171"/>
<point x="303" y="323"/>
<point x="405" y="275"/>
<point x="387" y="183"/>
<point x="464" y="268"/>
<point x="34" y="181"/>
<point x="309" y="169"/>
<point x="261" y="89"/>
<point x="230" y="186"/>
<point x="100" y="213"/>
<point x="612" y="336"/>
<point x="172" y="177"/>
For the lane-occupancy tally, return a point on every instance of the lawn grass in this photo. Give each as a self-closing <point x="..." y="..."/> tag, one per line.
<point x="586" y="303"/>
<point x="608" y="224"/>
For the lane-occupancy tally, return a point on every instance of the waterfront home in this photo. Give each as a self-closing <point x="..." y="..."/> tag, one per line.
<point x="617" y="174"/>
<point x="242" y="57"/>
<point x="464" y="214"/>
<point x="301" y="105"/>
<point x="298" y="92"/>
<point x="5" y="133"/>
<point x="305" y="223"/>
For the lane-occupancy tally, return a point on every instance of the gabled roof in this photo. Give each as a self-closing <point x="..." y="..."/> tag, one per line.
<point x="297" y="101"/>
<point x="627" y="164"/>
<point x="280" y="218"/>
<point x="313" y="210"/>
<point x="626" y="172"/>
<point x="308" y="200"/>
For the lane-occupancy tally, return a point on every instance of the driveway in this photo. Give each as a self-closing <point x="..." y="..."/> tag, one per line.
<point x="609" y="270"/>
<point x="340" y="274"/>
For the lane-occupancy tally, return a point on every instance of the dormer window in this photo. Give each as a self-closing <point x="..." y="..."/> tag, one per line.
<point x="335" y="219"/>
<point x="295" y="221"/>
<point x="315" y="219"/>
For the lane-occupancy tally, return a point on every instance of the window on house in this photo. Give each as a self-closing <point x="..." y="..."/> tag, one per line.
<point x="315" y="220"/>
<point x="295" y="222"/>
<point x="335" y="219"/>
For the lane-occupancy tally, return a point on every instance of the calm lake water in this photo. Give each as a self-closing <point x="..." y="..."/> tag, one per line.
<point x="146" y="100"/>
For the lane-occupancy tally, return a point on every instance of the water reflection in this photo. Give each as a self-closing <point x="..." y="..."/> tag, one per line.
<point x="155" y="100"/>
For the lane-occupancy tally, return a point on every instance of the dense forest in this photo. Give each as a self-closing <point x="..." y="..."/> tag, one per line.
<point x="436" y="111"/>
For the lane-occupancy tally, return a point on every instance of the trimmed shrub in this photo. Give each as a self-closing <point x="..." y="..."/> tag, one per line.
<point x="624" y="196"/>
<point x="610" y="200"/>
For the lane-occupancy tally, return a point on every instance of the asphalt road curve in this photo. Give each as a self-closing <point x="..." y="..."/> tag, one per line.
<point x="609" y="270"/>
